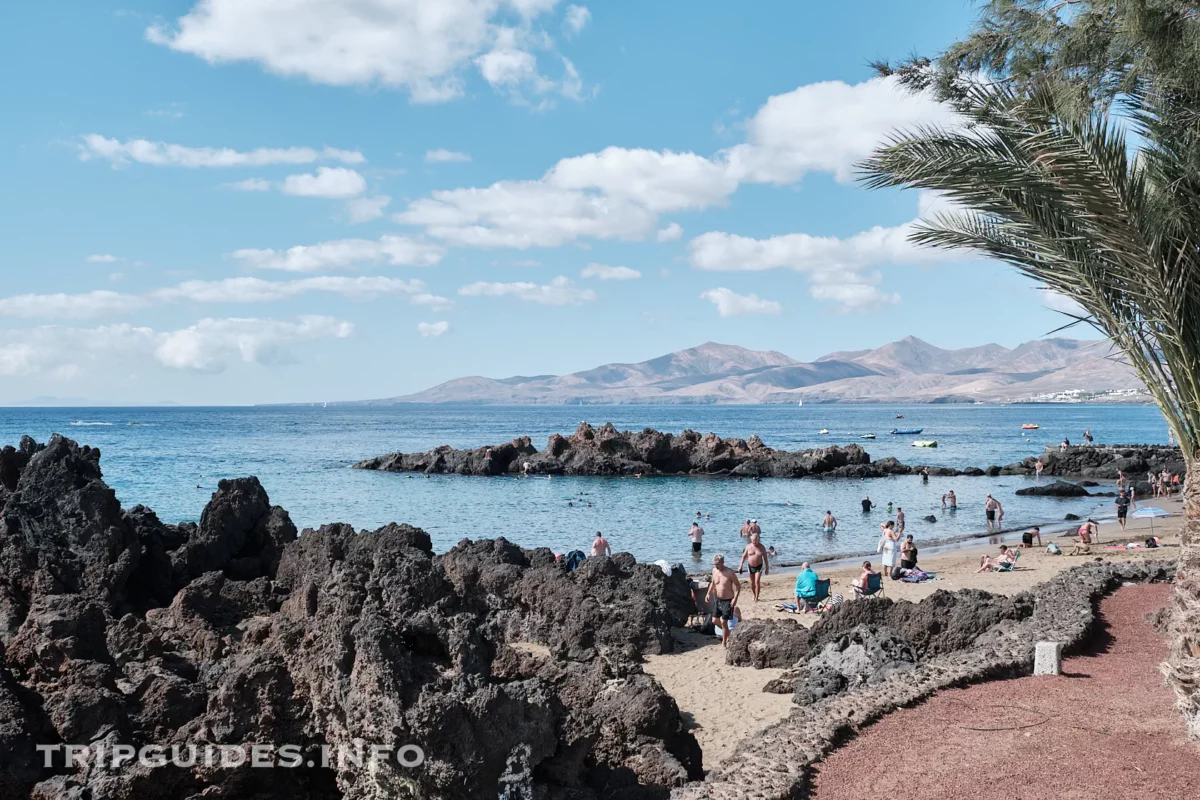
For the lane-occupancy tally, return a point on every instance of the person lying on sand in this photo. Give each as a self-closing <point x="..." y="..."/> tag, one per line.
<point x="988" y="564"/>
<point x="726" y="588"/>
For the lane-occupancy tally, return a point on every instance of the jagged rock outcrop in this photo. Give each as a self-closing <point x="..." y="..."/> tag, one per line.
<point x="942" y="623"/>
<point x="863" y="656"/>
<point x="119" y="629"/>
<point x="767" y="644"/>
<point x="1105" y="461"/>
<point x="607" y="451"/>
<point x="1054" y="489"/>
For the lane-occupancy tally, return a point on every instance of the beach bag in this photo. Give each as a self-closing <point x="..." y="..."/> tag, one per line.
<point x="574" y="559"/>
<point x="1052" y="549"/>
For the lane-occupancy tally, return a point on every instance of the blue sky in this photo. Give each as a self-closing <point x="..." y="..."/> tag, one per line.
<point x="238" y="201"/>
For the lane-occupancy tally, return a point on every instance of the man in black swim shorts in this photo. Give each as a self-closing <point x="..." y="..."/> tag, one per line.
<point x="726" y="587"/>
<point x="755" y="556"/>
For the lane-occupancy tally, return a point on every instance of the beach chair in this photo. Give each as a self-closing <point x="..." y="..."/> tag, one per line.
<point x="818" y="598"/>
<point x="874" y="586"/>
<point x="1008" y="566"/>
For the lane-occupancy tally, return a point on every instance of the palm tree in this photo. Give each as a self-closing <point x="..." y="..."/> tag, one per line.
<point x="1109" y="221"/>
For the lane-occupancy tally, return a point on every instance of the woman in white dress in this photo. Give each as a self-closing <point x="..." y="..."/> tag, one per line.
<point x="890" y="541"/>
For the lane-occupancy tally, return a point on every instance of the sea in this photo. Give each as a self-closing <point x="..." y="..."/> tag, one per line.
<point x="170" y="459"/>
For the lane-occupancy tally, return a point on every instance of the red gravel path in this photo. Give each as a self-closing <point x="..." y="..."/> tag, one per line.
<point x="1107" y="729"/>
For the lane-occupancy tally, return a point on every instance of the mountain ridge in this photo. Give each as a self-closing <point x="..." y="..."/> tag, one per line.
<point x="907" y="370"/>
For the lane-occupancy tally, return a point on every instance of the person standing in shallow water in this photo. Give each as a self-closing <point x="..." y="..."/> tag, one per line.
<point x="726" y="588"/>
<point x="696" y="534"/>
<point x="755" y="557"/>
<point x="867" y="505"/>
<point x="829" y="524"/>
<point x="993" y="511"/>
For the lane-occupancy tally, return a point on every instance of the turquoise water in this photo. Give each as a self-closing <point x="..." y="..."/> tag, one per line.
<point x="171" y="458"/>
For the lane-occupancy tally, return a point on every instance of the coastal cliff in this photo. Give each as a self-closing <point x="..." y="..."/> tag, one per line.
<point x="510" y="673"/>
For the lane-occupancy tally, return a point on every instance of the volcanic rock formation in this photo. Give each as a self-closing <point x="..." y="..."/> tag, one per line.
<point x="607" y="451"/>
<point x="118" y="629"/>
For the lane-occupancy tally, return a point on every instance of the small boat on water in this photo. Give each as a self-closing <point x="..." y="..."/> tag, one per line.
<point x="1029" y="426"/>
<point x="867" y="436"/>
<point x="906" y="431"/>
<point x="823" y="431"/>
<point x="925" y="443"/>
<point x="899" y="416"/>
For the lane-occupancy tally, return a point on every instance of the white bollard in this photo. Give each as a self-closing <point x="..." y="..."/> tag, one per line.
<point x="1047" y="658"/>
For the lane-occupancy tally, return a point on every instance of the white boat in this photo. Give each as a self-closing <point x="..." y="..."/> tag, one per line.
<point x="823" y="431"/>
<point x="867" y="436"/>
<point x="925" y="443"/>
<point x="800" y="403"/>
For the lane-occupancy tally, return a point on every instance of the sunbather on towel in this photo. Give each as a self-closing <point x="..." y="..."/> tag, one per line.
<point x="988" y="564"/>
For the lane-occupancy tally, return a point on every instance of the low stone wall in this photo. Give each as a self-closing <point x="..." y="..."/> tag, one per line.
<point x="779" y="763"/>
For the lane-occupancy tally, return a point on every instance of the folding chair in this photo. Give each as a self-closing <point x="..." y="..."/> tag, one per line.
<point x="818" y="599"/>
<point x="874" y="585"/>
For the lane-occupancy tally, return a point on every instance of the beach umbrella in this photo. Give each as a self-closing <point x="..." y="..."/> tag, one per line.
<point x="1150" y="513"/>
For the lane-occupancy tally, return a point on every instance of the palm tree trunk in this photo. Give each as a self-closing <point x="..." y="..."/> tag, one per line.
<point x="1183" y="667"/>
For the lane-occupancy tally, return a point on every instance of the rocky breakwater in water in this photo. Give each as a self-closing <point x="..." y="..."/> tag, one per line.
<point x="1103" y="462"/>
<point x="118" y="629"/>
<point x="607" y="451"/>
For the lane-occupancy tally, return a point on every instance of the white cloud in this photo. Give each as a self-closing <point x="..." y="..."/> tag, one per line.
<point x="670" y="233"/>
<point x="162" y="154"/>
<point x="606" y="273"/>
<point x="731" y="304"/>
<point x="524" y="214"/>
<point x="420" y="46"/>
<point x="250" y="185"/>
<point x="1056" y="301"/>
<point x="344" y="254"/>
<point x="843" y="271"/>
<point x="441" y="156"/>
<point x="210" y="345"/>
<point x="559" y="292"/>
<point x="853" y="296"/>
<point x="619" y="193"/>
<point x="334" y="183"/>
<point x="577" y="18"/>
<point x="432" y="330"/>
<point x="102" y="258"/>
<point x="68" y="306"/>
<point x="826" y="127"/>
<point x="230" y="290"/>
<point x="365" y="209"/>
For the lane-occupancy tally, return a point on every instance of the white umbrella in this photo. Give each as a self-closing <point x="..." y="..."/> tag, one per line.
<point x="1151" y="513"/>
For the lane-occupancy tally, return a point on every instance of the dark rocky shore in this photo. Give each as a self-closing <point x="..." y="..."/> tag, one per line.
<point x="607" y="451"/>
<point x="118" y="629"/>
<point x="516" y="678"/>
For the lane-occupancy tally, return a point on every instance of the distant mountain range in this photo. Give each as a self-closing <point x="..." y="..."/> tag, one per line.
<point x="906" y="371"/>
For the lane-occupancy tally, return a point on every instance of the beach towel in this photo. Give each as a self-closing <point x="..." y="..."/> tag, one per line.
<point x="919" y="576"/>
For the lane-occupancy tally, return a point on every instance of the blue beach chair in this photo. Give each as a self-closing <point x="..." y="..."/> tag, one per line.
<point x="815" y="601"/>
<point x="874" y="585"/>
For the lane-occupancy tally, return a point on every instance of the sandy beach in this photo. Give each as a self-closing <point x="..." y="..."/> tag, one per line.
<point x="726" y="704"/>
